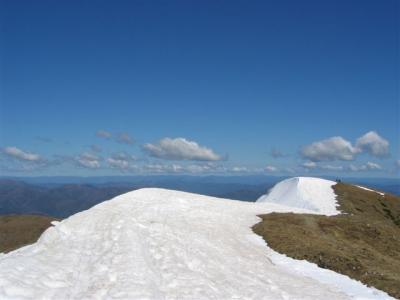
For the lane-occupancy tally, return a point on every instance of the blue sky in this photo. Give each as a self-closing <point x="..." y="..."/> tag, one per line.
<point x="227" y="87"/>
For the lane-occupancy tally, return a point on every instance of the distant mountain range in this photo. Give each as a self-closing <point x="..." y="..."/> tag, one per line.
<point x="63" y="196"/>
<point x="17" y="197"/>
<point x="62" y="200"/>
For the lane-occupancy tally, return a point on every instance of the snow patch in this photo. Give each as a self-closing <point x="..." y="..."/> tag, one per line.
<point x="367" y="189"/>
<point x="310" y="193"/>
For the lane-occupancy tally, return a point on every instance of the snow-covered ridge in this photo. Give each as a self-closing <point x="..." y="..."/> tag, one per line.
<point x="310" y="193"/>
<point x="162" y="244"/>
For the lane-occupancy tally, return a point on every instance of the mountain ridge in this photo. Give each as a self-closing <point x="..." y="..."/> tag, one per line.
<point x="157" y="243"/>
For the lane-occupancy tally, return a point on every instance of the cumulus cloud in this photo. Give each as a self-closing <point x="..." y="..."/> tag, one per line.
<point x="104" y="134"/>
<point x="88" y="160"/>
<point x="334" y="148"/>
<point x="369" y="166"/>
<point x="373" y="143"/>
<point x="23" y="161"/>
<point x="180" y="149"/>
<point x="21" y="155"/>
<point x="271" y="168"/>
<point x="124" y="138"/>
<point x="337" y="148"/>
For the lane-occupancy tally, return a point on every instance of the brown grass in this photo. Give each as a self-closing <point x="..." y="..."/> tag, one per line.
<point x="363" y="244"/>
<point x="20" y="230"/>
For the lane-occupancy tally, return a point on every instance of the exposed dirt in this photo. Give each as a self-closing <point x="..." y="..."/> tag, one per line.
<point x="20" y="230"/>
<point x="363" y="243"/>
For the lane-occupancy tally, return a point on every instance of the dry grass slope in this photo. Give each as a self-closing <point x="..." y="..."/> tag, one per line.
<point x="20" y="230"/>
<point x="363" y="244"/>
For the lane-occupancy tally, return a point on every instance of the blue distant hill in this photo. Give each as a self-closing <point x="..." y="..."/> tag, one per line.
<point x="63" y="196"/>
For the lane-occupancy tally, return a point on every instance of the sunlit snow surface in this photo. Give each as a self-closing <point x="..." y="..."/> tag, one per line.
<point x="315" y="194"/>
<point x="162" y="244"/>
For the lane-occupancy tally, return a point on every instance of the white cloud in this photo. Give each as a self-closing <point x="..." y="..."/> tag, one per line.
<point x="124" y="156"/>
<point x="104" y="134"/>
<point x="176" y="168"/>
<point x="373" y="166"/>
<point x="197" y="168"/>
<point x="309" y="165"/>
<point x="240" y="169"/>
<point x="334" y="148"/>
<point x="122" y="161"/>
<point x="369" y="166"/>
<point x="180" y="149"/>
<point x="163" y="168"/>
<point x="373" y="143"/>
<point x="88" y="160"/>
<point x="337" y="148"/>
<point x="21" y="155"/>
<point x="204" y="168"/>
<point x="271" y="168"/>
<point x="118" y="163"/>
<point x="124" y="138"/>
<point x="332" y="168"/>
<point x="313" y="165"/>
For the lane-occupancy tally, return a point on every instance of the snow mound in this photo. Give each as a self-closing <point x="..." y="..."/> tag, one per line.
<point x="310" y="193"/>
<point x="161" y="244"/>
